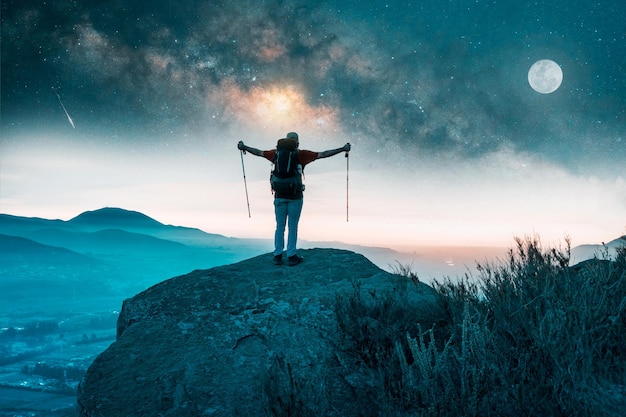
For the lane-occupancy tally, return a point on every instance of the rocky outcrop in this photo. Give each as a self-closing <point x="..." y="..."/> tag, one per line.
<point x="241" y="339"/>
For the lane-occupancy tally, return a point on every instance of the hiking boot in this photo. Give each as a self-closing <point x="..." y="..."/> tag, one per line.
<point x="295" y="260"/>
<point x="278" y="260"/>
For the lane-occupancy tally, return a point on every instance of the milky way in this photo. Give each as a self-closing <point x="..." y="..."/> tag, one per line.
<point x="425" y="81"/>
<point x="431" y="76"/>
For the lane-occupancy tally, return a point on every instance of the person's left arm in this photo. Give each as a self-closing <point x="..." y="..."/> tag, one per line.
<point x="333" y="152"/>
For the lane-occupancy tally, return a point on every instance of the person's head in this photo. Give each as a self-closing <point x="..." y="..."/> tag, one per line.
<point x="293" y="135"/>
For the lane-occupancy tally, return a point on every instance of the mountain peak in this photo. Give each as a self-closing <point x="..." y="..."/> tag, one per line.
<point x="114" y="218"/>
<point x="204" y="343"/>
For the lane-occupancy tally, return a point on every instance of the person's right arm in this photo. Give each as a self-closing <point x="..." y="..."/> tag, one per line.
<point x="254" y="151"/>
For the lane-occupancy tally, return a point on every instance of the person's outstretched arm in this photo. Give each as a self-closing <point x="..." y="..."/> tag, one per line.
<point x="333" y="152"/>
<point x="254" y="151"/>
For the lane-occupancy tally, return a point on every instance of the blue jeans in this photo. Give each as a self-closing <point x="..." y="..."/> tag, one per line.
<point x="286" y="209"/>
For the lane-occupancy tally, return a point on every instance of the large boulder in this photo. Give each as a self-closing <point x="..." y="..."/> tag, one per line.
<point x="248" y="339"/>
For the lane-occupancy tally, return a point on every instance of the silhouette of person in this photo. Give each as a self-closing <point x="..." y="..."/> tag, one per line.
<point x="288" y="206"/>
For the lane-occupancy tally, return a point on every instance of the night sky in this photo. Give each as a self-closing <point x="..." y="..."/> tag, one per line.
<point x="140" y="104"/>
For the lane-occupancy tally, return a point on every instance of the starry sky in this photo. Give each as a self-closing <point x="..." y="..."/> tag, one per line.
<point x="140" y="105"/>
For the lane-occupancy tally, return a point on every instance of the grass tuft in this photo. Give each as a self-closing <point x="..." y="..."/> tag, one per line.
<point x="528" y="336"/>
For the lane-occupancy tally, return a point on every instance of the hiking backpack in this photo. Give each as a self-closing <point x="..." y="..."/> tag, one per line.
<point x="286" y="177"/>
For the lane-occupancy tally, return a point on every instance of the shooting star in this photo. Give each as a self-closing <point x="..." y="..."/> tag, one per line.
<point x="66" y="113"/>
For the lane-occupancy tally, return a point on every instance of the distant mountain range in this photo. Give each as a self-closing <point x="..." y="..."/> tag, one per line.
<point x="126" y="251"/>
<point x="127" y="240"/>
<point x="18" y="250"/>
<point x="131" y="242"/>
<point x="118" y="233"/>
<point x="109" y="219"/>
<point x="587" y="251"/>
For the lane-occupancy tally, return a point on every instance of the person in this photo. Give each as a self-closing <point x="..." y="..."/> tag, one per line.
<point x="288" y="206"/>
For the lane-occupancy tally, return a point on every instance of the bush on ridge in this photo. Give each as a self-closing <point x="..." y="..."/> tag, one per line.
<point x="528" y="336"/>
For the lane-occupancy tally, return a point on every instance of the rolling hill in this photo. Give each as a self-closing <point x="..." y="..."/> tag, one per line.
<point x="120" y="252"/>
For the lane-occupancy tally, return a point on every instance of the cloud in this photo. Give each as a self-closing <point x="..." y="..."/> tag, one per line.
<point x="417" y="79"/>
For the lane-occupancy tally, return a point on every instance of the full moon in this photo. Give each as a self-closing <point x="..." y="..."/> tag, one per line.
<point x="545" y="76"/>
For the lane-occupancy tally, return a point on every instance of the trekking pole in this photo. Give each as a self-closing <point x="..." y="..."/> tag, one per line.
<point x="245" y="183"/>
<point x="347" y="182"/>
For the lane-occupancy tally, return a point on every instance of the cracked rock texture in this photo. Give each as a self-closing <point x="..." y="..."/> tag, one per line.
<point x="233" y="340"/>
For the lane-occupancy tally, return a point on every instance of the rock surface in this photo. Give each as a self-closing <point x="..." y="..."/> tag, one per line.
<point x="236" y="340"/>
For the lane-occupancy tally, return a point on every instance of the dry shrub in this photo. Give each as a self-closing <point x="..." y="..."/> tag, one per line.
<point x="529" y="336"/>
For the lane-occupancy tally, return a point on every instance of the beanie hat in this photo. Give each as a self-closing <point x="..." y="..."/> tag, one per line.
<point x="293" y="135"/>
